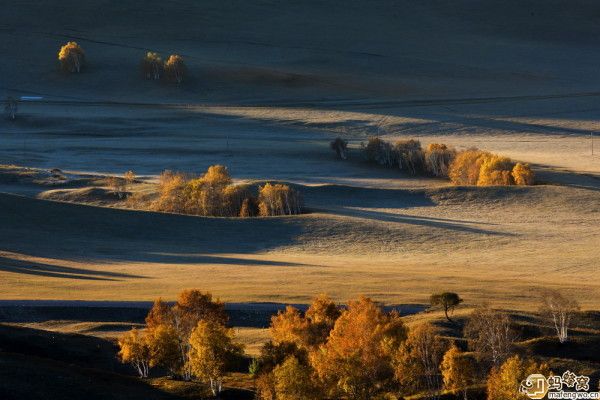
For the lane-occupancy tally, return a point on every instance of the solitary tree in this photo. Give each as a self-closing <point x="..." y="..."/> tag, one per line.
<point x="71" y="57"/>
<point x="175" y="69"/>
<point x="560" y="310"/>
<point x="212" y="351"/>
<point x="10" y="108"/>
<point x="134" y="349"/>
<point x="447" y="300"/>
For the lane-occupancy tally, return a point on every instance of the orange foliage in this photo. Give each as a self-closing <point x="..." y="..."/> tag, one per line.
<point x="356" y="359"/>
<point x="71" y="57"/>
<point x="278" y="199"/>
<point x="175" y="69"/>
<point x="522" y="174"/>
<point x="475" y="167"/>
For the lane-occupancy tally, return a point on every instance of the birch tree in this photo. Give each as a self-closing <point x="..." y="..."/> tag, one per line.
<point x="560" y="310"/>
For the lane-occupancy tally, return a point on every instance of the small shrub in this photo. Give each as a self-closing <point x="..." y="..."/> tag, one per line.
<point x="438" y="158"/>
<point x="278" y="199"/>
<point x="340" y="146"/>
<point x="175" y="70"/>
<point x="71" y="57"/>
<point x="152" y="66"/>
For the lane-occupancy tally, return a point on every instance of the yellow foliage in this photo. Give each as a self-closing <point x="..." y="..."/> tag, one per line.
<point x="278" y="199"/>
<point x="417" y="362"/>
<point x="522" y="174"/>
<point x="71" y="57"/>
<point x="356" y="359"/>
<point x="289" y="326"/>
<point x="293" y="381"/>
<point x="495" y="171"/>
<point x="175" y="68"/>
<point x="458" y="370"/>
<point x="503" y="383"/>
<point x="134" y="349"/>
<point x="438" y="158"/>
<point x="212" y="350"/>
<point x="475" y="167"/>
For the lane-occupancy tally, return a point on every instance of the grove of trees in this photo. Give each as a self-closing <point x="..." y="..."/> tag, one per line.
<point x="357" y="352"/>
<point x="469" y="167"/>
<point x="214" y="194"/>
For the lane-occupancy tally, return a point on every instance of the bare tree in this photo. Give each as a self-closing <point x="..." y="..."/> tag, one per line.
<point x="490" y="334"/>
<point x="560" y="310"/>
<point x="10" y="108"/>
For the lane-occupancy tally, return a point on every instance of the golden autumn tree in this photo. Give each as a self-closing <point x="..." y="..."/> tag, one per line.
<point x="179" y="321"/>
<point x="290" y="326"/>
<point x="321" y="316"/>
<point x="504" y="381"/>
<point x="278" y="199"/>
<point x="163" y="343"/>
<point x="355" y="362"/>
<point x="212" y="351"/>
<point x="71" y="57"/>
<point x="495" y="171"/>
<point x="458" y="371"/>
<point x="523" y="174"/>
<point x="417" y="363"/>
<point x="464" y="169"/>
<point x="134" y="349"/>
<point x="293" y="381"/>
<point x="175" y="69"/>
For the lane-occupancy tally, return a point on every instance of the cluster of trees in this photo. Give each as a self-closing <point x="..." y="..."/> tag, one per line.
<point x="481" y="168"/>
<point x="72" y="60"/>
<point x="214" y="194"/>
<point x="190" y="339"/>
<point x="408" y="155"/>
<point x="363" y="352"/>
<point x="356" y="352"/>
<point x="469" y="167"/>
<point x="154" y="68"/>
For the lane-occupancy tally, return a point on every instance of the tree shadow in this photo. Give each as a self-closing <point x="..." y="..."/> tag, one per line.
<point x="8" y="264"/>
